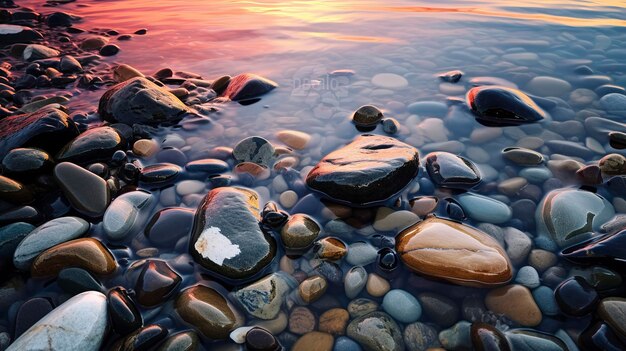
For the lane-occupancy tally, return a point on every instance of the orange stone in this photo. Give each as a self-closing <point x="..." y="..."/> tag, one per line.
<point x="86" y="253"/>
<point x="515" y="302"/>
<point x="454" y="252"/>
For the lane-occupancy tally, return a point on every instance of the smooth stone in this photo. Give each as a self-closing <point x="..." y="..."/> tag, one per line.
<point x="97" y="144"/>
<point x="458" y="337"/>
<point x="168" y="225"/>
<point x="515" y="302"/>
<point x="190" y="186"/>
<point x="208" y="165"/>
<point x="604" y="249"/>
<point x="361" y="306"/>
<point x="344" y="343"/>
<point x="159" y="174"/>
<point x="109" y="50"/>
<point x="530" y="340"/>
<point x="314" y="341"/>
<point x="376" y="331"/>
<point x="126" y="213"/>
<point x="142" y="339"/>
<point x="613" y="311"/>
<point x="528" y="277"/>
<point x="26" y="162"/>
<point x="53" y="101"/>
<point x="389" y="81"/>
<point x="145" y="147"/>
<point x="484" y="209"/>
<point x="312" y="288"/>
<point x="11" y="235"/>
<point x="45" y="236"/>
<point x="226" y="238"/>
<point x="68" y="64"/>
<point x="47" y="129"/>
<point x="420" y="336"/>
<point x="536" y="174"/>
<point x="124" y="314"/>
<point x="12" y="34"/>
<point x="259" y="339"/>
<point x="452" y="171"/>
<point x="440" y="309"/>
<point x="248" y="86"/>
<point x="299" y="232"/>
<point x="451" y="76"/>
<point x="548" y="86"/>
<point x="354" y="281"/>
<point x="361" y="254"/>
<point x="183" y="341"/>
<point x="569" y="216"/>
<point x="503" y="106"/>
<point x="486" y="337"/>
<point x="544" y="297"/>
<point x="614" y="103"/>
<point x="613" y="164"/>
<point x="334" y="321"/>
<point x="156" y="283"/>
<point x="370" y="169"/>
<point x="138" y="100"/>
<point x="330" y="248"/>
<point x="428" y="108"/>
<point x="14" y="191"/>
<point x="301" y="320"/>
<point x="29" y="313"/>
<point x="80" y="323"/>
<point x="254" y="149"/>
<point x="123" y="72"/>
<point x="617" y="140"/>
<point x="86" y="192"/>
<point x="367" y="116"/>
<point x="376" y="285"/>
<point x="402" y="306"/>
<point x="522" y="156"/>
<point x="34" y="52"/>
<point x="466" y="257"/>
<point x="264" y="298"/>
<point x="208" y="311"/>
<point x="388" y="219"/>
<point x="86" y="253"/>
<point x="576" y="297"/>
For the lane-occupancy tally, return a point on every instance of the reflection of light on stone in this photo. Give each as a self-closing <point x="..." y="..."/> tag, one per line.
<point x="215" y="246"/>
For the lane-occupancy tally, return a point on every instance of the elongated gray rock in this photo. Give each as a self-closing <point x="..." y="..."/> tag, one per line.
<point x="126" y="213"/>
<point x="79" y="324"/>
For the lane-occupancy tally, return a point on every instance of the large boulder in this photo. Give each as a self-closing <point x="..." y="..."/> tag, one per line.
<point x="227" y="239"/>
<point x="139" y="100"/>
<point x="48" y="129"/>
<point x="369" y="170"/>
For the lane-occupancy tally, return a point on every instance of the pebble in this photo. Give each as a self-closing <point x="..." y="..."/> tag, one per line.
<point x="389" y="81"/>
<point x="613" y="311"/>
<point x="576" y="297"/>
<point x="458" y="337"/>
<point x="142" y="339"/>
<point x="515" y="302"/>
<point x="440" y="309"/>
<point x="544" y="297"/>
<point x="156" y="283"/>
<point x="124" y="314"/>
<point x="367" y="116"/>
<point x="420" y="336"/>
<point x="330" y="248"/>
<point x="183" y="341"/>
<point x="88" y="193"/>
<point x="314" y="341"/>
<point x="528" y="277"/>
<point x="484" y="209"/>
<point x="126" y="213"/>
<point x="376" y="331"/>
<point x="402" y="306"/>
<point x="513" y="106"/>
<point x="548" y="86"/>
<point x="361" y="254"/>
<point x="145" y="147"/>
<point x="354" y="281"/>
<point x="254" y="149"/>
<point x="312" y="288"/>
<point x="294" y="139"/>
<point x="299" y="232"/>
<point x="376" y="285"/>
<point x="334" y="321"/>
<point x="87" y="253"/>
<point x="486" y="337"/>
<point x="264" y="298"/>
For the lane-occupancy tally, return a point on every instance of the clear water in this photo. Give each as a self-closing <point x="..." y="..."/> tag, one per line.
<point x="298" y="43"/>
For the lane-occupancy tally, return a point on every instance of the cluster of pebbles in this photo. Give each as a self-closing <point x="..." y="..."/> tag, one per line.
<point x="119" y="232"/>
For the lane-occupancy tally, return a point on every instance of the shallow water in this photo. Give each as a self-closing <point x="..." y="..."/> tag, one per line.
<point x="298" y="44"/>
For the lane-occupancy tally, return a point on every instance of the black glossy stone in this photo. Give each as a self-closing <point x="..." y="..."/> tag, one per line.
<point x="109" y="50"/>
<point x="168" y="225"/>
<point x="88" y="193"/>
<point x="369" y="170"/>
<point x="451" y="76"/>
<point x="159" y="174"/>
<point x="208" y="165"/>
<point x="497" y="106"/>
<point x="156" y="283"/>
<point x="142" y="340"/>
<point x="139" y="100"/>
<point x="226" y="238"/>
<point x="387" y="259"/>
<point x="29" y="313"/>
<point x="600" y="337"/>
<point x="26" y="214"/>
<point x="248" y="86"/>
<point x="452" y="171"/>
<point x="125" y="317"/>
<point x="48" y="129"/>
<point x="68" y="64"/>
<point x="26" y="162"/>
<point x="486" y="337"/>
<point x="259" y="339"/>
<point x="183" y="341"/>
<point x="14" y="192"/>
<point x="576" y="297"/>
<point x="59" y="19"/>
<point x="454" y="210"/>
<point x="606" y="249"/>
<point x="19" y="34"/>
<point x="10" y="236"/>
<point x="97" y="144"/>
<point x="75" y="280"/>
<point x="617" y="140"/>
<point x="367" y="116"/>
<point x="273" y="216"/>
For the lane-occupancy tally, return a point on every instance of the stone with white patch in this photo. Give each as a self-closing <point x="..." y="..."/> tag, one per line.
<point x="11" y="34"/>
<point x="213" y="245"/>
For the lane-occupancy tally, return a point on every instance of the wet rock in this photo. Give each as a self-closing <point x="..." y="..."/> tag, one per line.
<point x="138" y="100"/>
<point x="11" y="34"/>
<point x="516" y="303"/>
<point x="522" y="156"/>
<point x="486" y="337"/>
<point x="368" y="170"/>
<point x="367" y="116"/>
<point x="455" y="252"/>
<point x="264" y="298"/>
<point x="420" y="336"/>
<point x="97" y="144"/>
<point x="109" y="50"/>
<point x="576" y="297"/>
<point x="402" y="306"/>
<point x="440" y="309"/>
<point x="354" y="281"/>
<point x="361" y="253"/>
<point x="613" y="311"/>
<point x="11" y="235"/>
<point x="159" y="175"/>
<point x="45" y="236"/>
<point x="254" y="149"/>
<point x="530" y="340"/>
<point x="614" y="103"/>
<point x="605" y="249"/>
<point x="29" y="313"/>
<point x="78" y="324"/>
<point x="599" y="336"/>
<point x="88" y="193"/>
<point x="484" y="209"/>
<point x="168" y="225"/>
<point x="301" y="320"/>
<point x="451" y="171"/>
<point x="314" y="341"/>
<point x="125" y="317"/>
<point x="126" y="214"/>
<point x="389" y="81"/>
<point x="390" y="125"/>
<point x="376" y="285"/>
<point x="77" y="280"/>
<point x="248" y="86"/>
<point x="208" y="165"/>
<point x="46" y="129"/>
<point x="26" y="162"/>
<point x="330" y="248"/>
<point x="35" y="52"/>
<point x="502" y="106"/>
<point x="299" y="232"/>
<point x="142" y="339"/>
<point x="60" y="19"/>
<point x="569" y="216"/>
<point x="334" y="321"/>
<point x="226" y="237"/>
<point x="548" y="86"/>
<point x="156" y="283"/>
<point x="259" y="339"/>
<point x="376" y="331"/>
<point x="613" y="164"/>
<point x="14" y="192"/>
<point x="68" y="64"/>
<point x="294" y="139"/>
<point x="458" y="337"/>
<point x="208" y="311"/>
<point x="85" y="253"/>
<point x="312" y="288"/>
<point x="183" y="341"/>
<point x="451" y="76"/>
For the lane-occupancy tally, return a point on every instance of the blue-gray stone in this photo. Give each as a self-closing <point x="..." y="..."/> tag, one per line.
<point x="544" y="297"/>
<point x="402" y="306"/>
<point x="11" y="235"/>
<point x="344" y="343"/>
<point x="127" y="213"/>
<point x="458" y="337"/>
<point x="528" y="277"/>
<point x="484" y="209"/>
<point x="428" y="108"/>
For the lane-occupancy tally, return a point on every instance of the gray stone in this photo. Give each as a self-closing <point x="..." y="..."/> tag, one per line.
<point x="127" y="213"/>
<point x="263" y="299"/>
<point x="376" y="331"/>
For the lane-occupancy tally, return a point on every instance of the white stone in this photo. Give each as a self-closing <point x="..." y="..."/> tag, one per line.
<point x="215" y="246"/>
<point x="239" y="335"/>
<point x="389" y="81"/>
<point x="10" y="29"/>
